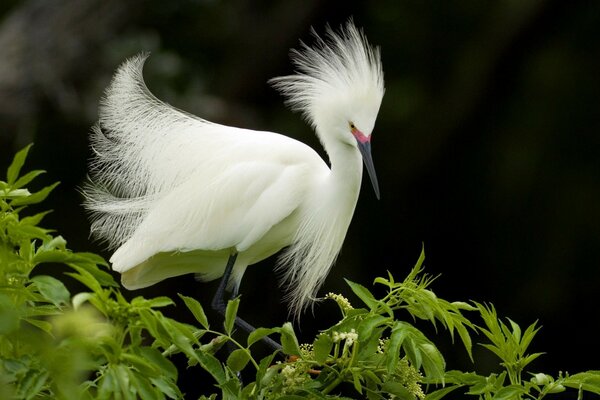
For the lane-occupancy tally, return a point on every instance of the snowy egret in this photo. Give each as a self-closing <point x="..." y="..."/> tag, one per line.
<point x="176" y="194"/>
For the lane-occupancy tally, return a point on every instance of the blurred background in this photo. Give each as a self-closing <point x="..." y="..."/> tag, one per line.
<point x="487" y="145"/>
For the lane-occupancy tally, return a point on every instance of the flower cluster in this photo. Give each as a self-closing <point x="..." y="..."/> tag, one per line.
<point x="382" y="346"/>
<point x="294" y="375"/>
<point x="306" y="351"/>
<point x="349" y="337"/>
<point x="343" y="302"/>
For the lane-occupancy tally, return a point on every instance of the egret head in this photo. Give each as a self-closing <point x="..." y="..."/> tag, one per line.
<point x="338" y="88"/>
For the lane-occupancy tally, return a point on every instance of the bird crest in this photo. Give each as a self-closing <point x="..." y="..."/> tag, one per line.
<point x="339" y="68"/>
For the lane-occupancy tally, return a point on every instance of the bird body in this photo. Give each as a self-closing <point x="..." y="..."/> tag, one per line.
<point x="177" y="194"/>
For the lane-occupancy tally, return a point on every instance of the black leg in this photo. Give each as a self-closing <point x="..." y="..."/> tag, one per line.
<point x="218" y="303"/>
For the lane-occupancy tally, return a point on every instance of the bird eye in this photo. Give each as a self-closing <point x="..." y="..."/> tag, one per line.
<point x="352" y="125"/>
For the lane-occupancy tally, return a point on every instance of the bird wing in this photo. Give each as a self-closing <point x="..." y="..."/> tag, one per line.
<point x="165" y="180"/>
<point x="231" y="210"/>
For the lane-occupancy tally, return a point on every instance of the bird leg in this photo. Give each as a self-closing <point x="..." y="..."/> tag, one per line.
<point x="218" y="303"/>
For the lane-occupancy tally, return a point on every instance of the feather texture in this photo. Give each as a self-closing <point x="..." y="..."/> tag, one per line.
<point x="174" y="193"/>
<point x="341" y="66"/>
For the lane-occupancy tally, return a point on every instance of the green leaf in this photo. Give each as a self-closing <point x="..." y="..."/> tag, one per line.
<point x="156" y="302"/>
<point x="466" y="339"/>
<point x="86" y="278"/>
<point x="265" y="374"/>
<point x="43" y="325"/>
<point x="211" y="365"/>
<point x="168" y="387"/>
<point x="392" y="354"/>
<point x="260" y="333"/>
<point x="143" y="386"/>
<point x="155" y="357"/>
<point x="588" y="381"/>
<point x="32" y="383"/>
<point x="433" y="361"/>
<point x="289" y="342"/>
<point x="15" y="167"/>
<point x="27" y="178"/>
<point x="196" y="308"/>
<point x="322" y="348"/>
<point x="398" y="390"/>
<point x="34" y="219"/>
<point x="52" y="289"/>
<point x="230" y="314"/>
<point x="366" y="326"/>
<point x="36" y="197"/>
<point x="440" y="393"/>
<point x="238" y="359"/>
<point x="511" y="392"/>
<point x="419" y="350"/>
<point x="81" y="260"/>
<point x="356" y="380"/>
<point x="141" y="364"/>
<point x="363" y="293"/>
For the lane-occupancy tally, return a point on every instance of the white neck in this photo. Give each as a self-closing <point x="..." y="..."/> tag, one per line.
<point x="346" y="173"/>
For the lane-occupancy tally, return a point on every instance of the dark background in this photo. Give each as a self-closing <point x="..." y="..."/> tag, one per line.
<point x="487" y="144"/>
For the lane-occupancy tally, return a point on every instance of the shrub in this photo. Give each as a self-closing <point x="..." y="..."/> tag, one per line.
<point x="96" y="344"/>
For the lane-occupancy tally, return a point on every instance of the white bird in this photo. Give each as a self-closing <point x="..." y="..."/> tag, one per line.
<point x="176" y="194"/>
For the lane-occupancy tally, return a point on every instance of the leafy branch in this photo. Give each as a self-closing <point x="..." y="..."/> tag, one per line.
<point x="96" y="344"/>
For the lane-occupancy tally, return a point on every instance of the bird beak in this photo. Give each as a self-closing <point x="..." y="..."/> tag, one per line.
<point x="364" y="146"/>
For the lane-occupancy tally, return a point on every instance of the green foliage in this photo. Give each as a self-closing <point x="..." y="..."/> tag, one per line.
<point x="96" y="344"/>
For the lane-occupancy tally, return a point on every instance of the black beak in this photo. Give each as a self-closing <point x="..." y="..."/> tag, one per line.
<point x="365" y="151"/>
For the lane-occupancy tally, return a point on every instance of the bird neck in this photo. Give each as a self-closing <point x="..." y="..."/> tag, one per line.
<point x="346" y="170"/>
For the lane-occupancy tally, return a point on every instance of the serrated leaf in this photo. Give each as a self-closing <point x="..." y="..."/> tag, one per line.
<point x="529" y="359"/>
<point x="167" y="387"/>
<point x="17" y="163"/>
<point x="588" y="381"/>
<point x="238" y="359"/>
<point x="43" y="325"/>
<point x="34" y="219"/>
<point x="419" y="350"/>
<point x="230" y="315"/>
<point x="103" y="277"/>
<point x="32" y="383"/>
<point x="52" y="289"/>
<point x="322" y="348"/>
<point x="289" y="342"/>
<point x="440" y="393"/>
<point x="364" y="294"/>
<point x="212" y="366"/>
<point x="36" y="197"/>
<point x="143" y="386"/>
<point x="367" y="325"/>
<point x="157" y="302"/>
<point x="86" y="278"/>
<point x="260" y="333"/>
<point x="27" y="178"/>
<point x="392" y="354"/>
<point x="197" y="311"/>
<point x="433" y="361"/>
<point x="356" y="380"/>
<point x="398" y="390"/>
<point x="153" y="355"/>
<point x="511" y="392"/>
<point x="15" y="193"/>
<point x="263" y="367"/>
<point x="466" y="339"/>
<point x="141" y="364"/>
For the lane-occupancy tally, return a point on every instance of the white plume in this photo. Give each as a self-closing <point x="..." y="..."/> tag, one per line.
<point x="131" y="165"/>
<point x="343" y="64"/>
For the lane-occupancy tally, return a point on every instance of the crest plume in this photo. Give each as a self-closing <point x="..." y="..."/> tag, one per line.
<point x="342" y="63"/>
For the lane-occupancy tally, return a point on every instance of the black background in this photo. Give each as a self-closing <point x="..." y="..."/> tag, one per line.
<point x="487" y="145"/>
